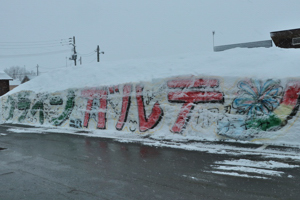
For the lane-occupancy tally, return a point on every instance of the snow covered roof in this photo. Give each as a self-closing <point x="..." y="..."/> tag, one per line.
<point x="14" y="82"/>
<point x="28" y="78"/>
<point x="4" y="76"/>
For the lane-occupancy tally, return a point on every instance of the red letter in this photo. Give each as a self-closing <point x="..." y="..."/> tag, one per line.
<point x="125" y="107"/>
<point x="190" y="98"/>
<point x="290" y="102"/>
<point x="193" y="83"/>
<point x="291" y="94"/>
<point x="102" y="96"/>
<point x="154" y="117"/>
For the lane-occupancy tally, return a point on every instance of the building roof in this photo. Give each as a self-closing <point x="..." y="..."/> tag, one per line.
<point x="28" y="78"/>
<point x="286" y="38"/>
<point x="14" y="82"/>
<point x="4" y="76"/>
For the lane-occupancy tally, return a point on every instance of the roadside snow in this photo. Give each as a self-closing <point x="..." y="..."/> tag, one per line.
<point x="245" y="166"/>
<point x="259" y="164"/>
<point x="237" y="174"/>
<point x="257" y="62"/>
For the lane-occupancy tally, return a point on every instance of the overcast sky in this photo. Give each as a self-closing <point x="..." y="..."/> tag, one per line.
<point x="130" y="29"/>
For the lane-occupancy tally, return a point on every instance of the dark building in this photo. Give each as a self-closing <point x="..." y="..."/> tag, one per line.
<point x="4" y="83"/>
<point x="27" y="78"/>
<point x="286" y="38"/>
<point x="282" y="39"/>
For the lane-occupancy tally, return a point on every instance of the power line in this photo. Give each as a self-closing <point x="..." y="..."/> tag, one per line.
<point x="87" y="54"/>
<point x="45" y="44"/>
<point x="24" y="74"/>
<point x="34" y="54"/>
<point x="32" y="47"/>
<point x="92" y="60"/>
<point x="35" y="42"/>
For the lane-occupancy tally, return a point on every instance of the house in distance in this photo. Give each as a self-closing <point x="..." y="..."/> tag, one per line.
<point x="4" y="83"/>
<point x="27" y="78"/>
<point x="286" y="38"/>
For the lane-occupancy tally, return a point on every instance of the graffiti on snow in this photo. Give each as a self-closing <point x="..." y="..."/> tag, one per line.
<point x="264" y="107"/>
<point x="97" y="103"/>
<point x="38" y="106"/>
<point x="75" y="123"/>
<point x="250" y="109"/>
<point x="232" y="126"/>
<point x="196" y="94"/>
<point x="132" y="125"/>
<point x="114" y="102"/>
<point x="56" y="100"/>
<point x="206" y="117"/>
<point x="57" y="121"/>
<point x="9" y="107"/>
<point x="146" y="123"/>
<point x="256" y="98"/>
<point x="126" y="100"/>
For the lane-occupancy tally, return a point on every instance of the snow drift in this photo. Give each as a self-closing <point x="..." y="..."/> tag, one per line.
<point x="239" y="94"/>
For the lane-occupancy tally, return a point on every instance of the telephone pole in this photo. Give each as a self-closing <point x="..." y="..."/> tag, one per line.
<point x="74" y="56"/>
<point x="213" y="33"/>
<point x="37" y="70"/>
<point x="98" y="53"/>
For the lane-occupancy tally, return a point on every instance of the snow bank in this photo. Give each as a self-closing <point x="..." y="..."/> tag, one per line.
<point x="259" y="63"/>
<point x="239" y="94"/>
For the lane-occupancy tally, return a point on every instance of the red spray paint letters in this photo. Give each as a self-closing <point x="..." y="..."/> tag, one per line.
<point x="126" y="101"/>
<point x="155" y="116"/>
<point x="192" y="97"/>
<point x="92" y="94"/>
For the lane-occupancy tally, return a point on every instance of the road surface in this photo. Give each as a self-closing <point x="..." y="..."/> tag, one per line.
<point x="63" y="166"/>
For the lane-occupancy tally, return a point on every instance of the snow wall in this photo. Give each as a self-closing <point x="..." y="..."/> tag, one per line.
<point x="195" y="107"/>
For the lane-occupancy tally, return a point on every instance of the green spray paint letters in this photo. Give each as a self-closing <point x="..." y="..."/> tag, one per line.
<point x="68" y="110"/>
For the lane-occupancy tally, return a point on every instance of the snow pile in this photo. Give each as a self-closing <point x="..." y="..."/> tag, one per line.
<point x="241" y="94"/>
<point x="239" y="62"/>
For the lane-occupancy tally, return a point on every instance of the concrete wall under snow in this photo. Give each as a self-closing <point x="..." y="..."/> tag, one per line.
<point x="199" y="107"/>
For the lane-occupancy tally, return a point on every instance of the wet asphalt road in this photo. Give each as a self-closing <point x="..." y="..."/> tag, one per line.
<point x="63" y="166"/>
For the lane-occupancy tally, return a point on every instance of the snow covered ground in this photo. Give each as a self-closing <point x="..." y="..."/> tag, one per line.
<point x="267" y="71"/>
<point x="239" y="62"/>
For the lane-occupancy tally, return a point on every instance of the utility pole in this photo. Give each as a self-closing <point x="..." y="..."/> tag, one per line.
<point x="80" y="59"/>
<point x="213" y="33"/>
<point x="75" y="53"/>
<point x="74" y="56"/>
<point x="37" y="70"/>
<point x="98" y="53"/>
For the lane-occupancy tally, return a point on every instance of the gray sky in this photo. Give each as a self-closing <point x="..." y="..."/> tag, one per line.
<point x="133" y="28"/>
